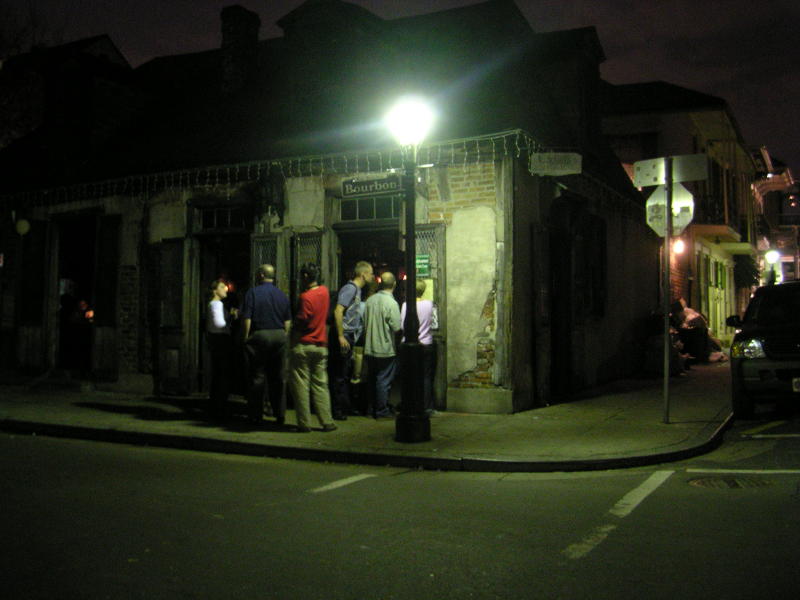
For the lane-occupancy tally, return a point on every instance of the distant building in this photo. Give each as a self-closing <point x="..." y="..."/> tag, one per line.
<point x="651" y="120"/>
<point x="778" y="198"/>
<point x="272" y="151"/>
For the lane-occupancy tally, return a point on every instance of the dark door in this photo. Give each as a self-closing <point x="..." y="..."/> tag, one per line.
<point x="32" y="292"/>
<point x="106" y="281"/>
<point x="562" y="292"/>
<point x="171" y="370"/>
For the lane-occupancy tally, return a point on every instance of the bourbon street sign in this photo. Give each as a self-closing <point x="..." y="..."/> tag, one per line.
<point x="371" y="187"/>
<point x="556" y="163"/>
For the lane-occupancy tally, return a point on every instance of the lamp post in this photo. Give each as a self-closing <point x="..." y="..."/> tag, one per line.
<point x="409" y="122"/>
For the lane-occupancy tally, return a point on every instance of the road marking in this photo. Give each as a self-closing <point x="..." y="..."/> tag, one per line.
<point x="633" y="498"/>
<point x="763" y="427"/>
<point x="341" y="483"/>
<point x="588" y="543"/>
<point x="773" y="436"/>
<point x="747" y="471"/>
<point x="621" y="509"/>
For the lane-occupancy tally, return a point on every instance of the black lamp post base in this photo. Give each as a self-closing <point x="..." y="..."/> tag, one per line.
<point x="412" y="428"/>
<point x="412" y="424"/>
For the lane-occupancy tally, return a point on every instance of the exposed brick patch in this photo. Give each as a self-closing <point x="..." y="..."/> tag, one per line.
<point x="467" y="187"/>
<point x="481" y="375"/>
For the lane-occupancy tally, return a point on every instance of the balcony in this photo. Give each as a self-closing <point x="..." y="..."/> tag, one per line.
<point x="787" y="220"/>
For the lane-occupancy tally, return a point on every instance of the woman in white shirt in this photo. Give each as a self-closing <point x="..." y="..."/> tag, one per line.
<point x="428" y="316"/>
<point x="218" y="335"/>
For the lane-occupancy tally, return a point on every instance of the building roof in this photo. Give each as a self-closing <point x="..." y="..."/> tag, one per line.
<point x="654" y="96"/>
<point x="99" y="47"/>
<point x="324" y="86"/>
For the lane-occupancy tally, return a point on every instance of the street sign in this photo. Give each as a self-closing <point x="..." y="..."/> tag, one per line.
<point x="423" y="265"/>
<point x="687" y="167"/>
<point x="354" y="188"/>
<point x="682" y="209"/>
<point x="556" y="163"/>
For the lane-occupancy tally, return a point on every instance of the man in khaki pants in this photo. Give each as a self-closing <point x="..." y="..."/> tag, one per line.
<point x="308" y="357"/>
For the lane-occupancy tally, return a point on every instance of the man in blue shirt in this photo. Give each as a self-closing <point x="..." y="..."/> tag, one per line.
<point x="267" y="320"/>
<point x="348" y="320"/>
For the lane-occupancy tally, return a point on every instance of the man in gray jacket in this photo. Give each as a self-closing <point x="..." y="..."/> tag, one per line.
<point x="382" y="322"/>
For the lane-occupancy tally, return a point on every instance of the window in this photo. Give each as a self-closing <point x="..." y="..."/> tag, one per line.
<point x="224" y="218"/>
<point x="376" y="207"/>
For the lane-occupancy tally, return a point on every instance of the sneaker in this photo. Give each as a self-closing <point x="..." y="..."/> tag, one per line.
<point x="303" y="429"/>
<point x="329" y="427"/>
<point x="384" y="416"/>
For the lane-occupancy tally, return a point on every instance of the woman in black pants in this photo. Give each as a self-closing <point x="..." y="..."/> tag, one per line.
<point x="220" y="345"/>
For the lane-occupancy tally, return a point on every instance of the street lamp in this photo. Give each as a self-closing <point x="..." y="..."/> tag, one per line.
<point x="409" y="121"/>
<point x="772" y="257"/>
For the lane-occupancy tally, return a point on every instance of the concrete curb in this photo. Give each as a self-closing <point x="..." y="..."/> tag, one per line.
<point x="466" y="464"/>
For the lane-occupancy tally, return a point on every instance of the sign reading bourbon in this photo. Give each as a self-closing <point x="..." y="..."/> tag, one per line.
<point x="371" y="187"/>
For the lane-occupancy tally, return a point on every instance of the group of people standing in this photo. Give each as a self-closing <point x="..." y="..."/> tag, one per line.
<point x="359" y="328"/>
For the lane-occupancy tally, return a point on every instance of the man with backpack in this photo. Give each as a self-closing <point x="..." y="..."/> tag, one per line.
<point x="349" y="322"/>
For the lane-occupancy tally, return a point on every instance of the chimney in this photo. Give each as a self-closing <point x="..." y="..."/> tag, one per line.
<point x="239" y="49"/>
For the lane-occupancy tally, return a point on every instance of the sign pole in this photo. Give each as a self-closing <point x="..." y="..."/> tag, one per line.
<point x="668" y="171"/>
<point x="666" y="285"/>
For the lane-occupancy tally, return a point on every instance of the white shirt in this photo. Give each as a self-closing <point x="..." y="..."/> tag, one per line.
<point x="215" y="318"/>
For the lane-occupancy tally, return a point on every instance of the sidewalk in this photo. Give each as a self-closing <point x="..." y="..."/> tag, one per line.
<point x="618" y="425"/>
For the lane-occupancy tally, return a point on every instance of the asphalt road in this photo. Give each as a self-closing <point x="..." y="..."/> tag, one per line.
<point x="93" y="520"/>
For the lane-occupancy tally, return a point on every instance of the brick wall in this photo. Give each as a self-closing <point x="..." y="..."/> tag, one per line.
<point x="128" y="319"/>
<point x="679" y="276"/>
<point x="453" y="188"/>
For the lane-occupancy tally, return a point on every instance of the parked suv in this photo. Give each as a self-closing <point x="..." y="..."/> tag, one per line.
<point x="765" y="353"/>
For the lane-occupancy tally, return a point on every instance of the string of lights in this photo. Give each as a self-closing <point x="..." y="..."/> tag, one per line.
<point x="450" y="153"/>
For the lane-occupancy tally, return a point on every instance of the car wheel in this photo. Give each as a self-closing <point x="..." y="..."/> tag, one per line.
<point x="741" y="404"/>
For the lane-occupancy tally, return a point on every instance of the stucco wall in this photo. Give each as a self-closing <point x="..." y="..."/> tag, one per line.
<point x="167" y="217"/>
<point x="305" y="202"/>
<point x="470" y="281"/>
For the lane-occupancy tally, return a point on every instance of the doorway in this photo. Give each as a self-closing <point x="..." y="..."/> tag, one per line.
<point x="77" y="242"/>
<point x="225" y="257"/>
<point x="380" y="248"/>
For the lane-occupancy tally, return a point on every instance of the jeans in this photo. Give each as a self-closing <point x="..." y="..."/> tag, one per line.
<point x="381" y="375"/>
<point x="343" y="365"/>
<point x="309" y="381"/>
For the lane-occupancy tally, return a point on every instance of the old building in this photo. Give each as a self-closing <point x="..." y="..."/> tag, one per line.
<point x="273" y="151"/>
<point x="777" y="197"/>
<point x="651" y="120"/>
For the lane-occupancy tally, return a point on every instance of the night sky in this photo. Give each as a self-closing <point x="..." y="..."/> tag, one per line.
<point x="744" y="51"/>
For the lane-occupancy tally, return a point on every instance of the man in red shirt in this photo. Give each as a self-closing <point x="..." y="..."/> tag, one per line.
<point x="308" y="358"/>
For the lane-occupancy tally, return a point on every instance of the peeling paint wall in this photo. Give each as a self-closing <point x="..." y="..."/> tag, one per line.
<point x="305" y="202"/>
<point x="167" y="217"/>
<point x="470" y="284"/>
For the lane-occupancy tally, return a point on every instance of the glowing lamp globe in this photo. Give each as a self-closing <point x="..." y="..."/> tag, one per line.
<point x="410" y="120"/>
